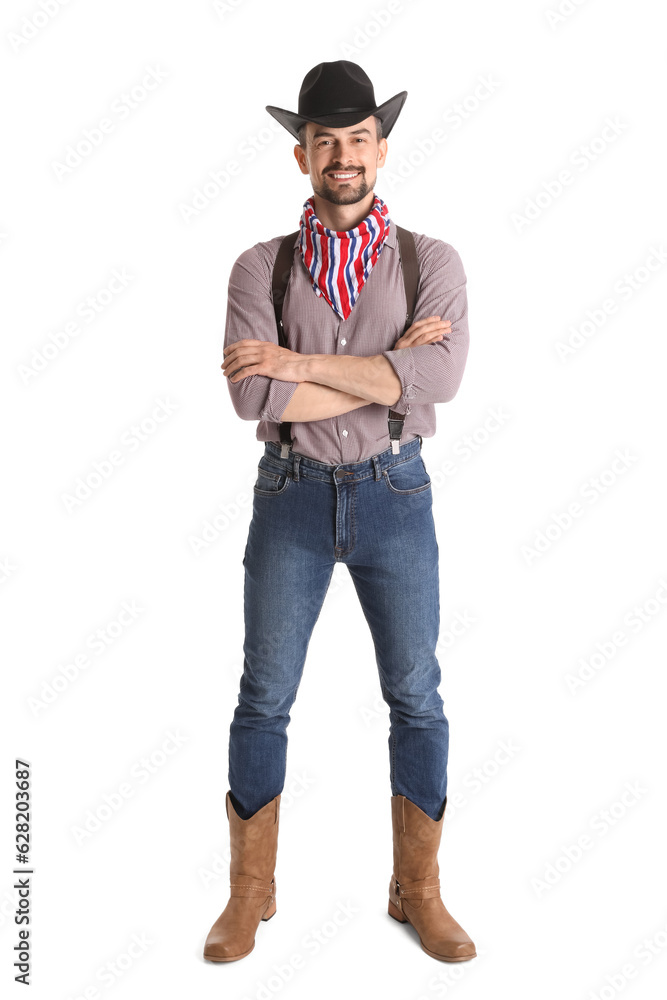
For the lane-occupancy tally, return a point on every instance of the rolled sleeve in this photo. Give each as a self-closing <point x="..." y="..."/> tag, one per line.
<point x="432" y="373"/>
<point x="250" y="316"/>
<point x="278" y="397"/>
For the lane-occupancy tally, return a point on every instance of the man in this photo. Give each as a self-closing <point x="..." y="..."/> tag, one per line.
<point x="342" y="487"/>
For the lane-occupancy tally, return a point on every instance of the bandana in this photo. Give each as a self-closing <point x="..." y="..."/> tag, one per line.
<point x="339" y="263"/>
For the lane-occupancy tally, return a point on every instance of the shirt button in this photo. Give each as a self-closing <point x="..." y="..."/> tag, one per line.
<point x="343" y="342"/>
<point x="345" y="434"/>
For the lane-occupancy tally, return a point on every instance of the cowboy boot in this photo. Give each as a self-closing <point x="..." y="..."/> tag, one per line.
<point x="254" y="845"/>
<point x="414" y="890"/>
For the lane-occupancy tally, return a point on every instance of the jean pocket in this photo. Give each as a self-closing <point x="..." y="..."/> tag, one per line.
<point x="408" y="477"/>
<point x="270" y="482"/>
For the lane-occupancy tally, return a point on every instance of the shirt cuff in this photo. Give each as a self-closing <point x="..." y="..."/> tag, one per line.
<point x="279" y="396"/>
<point x="403" y="364"/>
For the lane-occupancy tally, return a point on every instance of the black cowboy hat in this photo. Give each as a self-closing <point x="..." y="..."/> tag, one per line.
<point x="338" y="94"/>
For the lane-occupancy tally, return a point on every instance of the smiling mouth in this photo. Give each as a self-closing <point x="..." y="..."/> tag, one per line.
<point x="343" y="176"/>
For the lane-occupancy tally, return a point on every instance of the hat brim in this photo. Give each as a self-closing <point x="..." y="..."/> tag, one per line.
<point x="387" y="113"/>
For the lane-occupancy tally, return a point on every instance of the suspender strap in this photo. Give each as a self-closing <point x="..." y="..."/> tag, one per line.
<point x="282" y="271"/>
<point x="410" y="268"/>
<point x="410" y="265"/>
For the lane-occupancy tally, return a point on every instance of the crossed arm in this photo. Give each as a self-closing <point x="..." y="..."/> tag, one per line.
<point x="329" y="384"/>
<point x="425" y="364"/>
<point x="313" y="401"/>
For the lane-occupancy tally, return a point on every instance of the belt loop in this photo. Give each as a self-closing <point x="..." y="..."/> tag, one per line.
<point x="377" y="468"/>
<point x="295" y="467"/>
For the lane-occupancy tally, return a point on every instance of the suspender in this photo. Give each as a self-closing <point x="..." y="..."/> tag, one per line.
<point x="410" y="268"/>
<point x="282" y="271"/>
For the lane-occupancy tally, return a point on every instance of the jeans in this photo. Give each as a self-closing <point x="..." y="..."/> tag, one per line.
<point x="376" y="517"/>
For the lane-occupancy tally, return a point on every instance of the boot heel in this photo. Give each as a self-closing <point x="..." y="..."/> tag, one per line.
<point x="396" y="913"/>
<point x="270" y="912"/>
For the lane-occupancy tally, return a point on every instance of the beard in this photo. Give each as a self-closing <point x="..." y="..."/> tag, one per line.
<point x="344" y="194"/>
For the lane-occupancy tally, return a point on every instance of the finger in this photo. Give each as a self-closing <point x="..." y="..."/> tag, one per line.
<point x="230" y="359"/>
<point x="243" y="347"/>
<point x="240" y="346"/>
<point x="433" y="328"/>
<point x="431" y="338"/>
<point x="230" y="352"/>
<point x="428" y="325"/>
<point x="242" y="343"/>
<point x="246" y="356"/>
<point x="243" y="372"/>
<point x="429" y="319"/>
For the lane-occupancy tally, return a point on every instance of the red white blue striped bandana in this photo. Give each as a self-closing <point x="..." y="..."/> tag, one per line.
<point x="339" y="263"/>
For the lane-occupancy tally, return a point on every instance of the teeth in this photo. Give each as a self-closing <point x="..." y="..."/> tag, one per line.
<point x="347" y="175"/>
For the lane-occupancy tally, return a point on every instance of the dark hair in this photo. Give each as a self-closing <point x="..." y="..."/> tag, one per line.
<point x="302" y="132"/>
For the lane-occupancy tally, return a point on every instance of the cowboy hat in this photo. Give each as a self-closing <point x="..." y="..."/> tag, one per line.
<point x="338" y="94"/>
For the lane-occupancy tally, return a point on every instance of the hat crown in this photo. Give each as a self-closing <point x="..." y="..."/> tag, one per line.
<point x="337" y="86"/>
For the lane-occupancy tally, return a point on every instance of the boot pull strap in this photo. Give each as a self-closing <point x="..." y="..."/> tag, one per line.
<point x="401" y="814"/>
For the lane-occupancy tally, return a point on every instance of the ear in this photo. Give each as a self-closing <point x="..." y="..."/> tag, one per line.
<point x="300" y="154"/>
<point x="382" y="152"/>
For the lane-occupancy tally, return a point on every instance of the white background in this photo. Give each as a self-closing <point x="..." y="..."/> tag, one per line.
<point x="543" y="925"/>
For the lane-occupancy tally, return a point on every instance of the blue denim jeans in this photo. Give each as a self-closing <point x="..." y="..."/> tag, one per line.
<point x="376" y="517"/>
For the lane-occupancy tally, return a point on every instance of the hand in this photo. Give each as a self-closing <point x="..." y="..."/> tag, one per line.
<point x="424" y="331"/>
<point x="263" y="357"/>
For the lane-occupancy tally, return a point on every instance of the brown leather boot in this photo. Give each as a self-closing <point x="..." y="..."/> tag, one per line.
<point x="254" y="845"/>
<point x="414" y="890"/>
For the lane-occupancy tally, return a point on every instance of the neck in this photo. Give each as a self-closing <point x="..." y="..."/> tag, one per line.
<point x="341" y="218"/>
